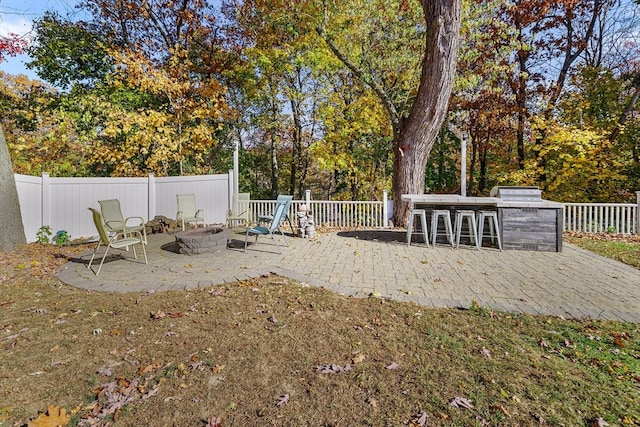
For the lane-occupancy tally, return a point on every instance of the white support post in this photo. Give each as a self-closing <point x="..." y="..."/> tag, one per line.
<point x="385" y="210"/>
<point x="46" y="200"/>
<point x="151" y="197"/>
<point x="638" y="212"/>
<point x="307" y="198"/>
<point x="231" y="187"/>
<point x="236" y="175"/>
<point x="463" y="166"/>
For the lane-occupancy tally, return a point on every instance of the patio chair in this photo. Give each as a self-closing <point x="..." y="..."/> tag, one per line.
<point x="239" y="212"/>
<point x="187" y="210"/>
<point x="117" y="240"/>
<point x="274" y="226"/>
<point x="115" y="222"/>
<point x="281" y="199"/>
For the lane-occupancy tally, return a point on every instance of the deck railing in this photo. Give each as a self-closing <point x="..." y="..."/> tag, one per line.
<point x="601" y="217"/>
<point x="332" y="213"/>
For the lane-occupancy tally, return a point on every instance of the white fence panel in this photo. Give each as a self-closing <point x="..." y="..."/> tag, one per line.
<point x="211" y="195"/>
<point x="601" y="217"/>
<point x="30" y="196"/>
<point x="70" y="198"/>
<point x="330" y="214"/>
<point x="61" y="203"/>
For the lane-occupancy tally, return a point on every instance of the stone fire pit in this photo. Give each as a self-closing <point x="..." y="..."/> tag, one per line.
<point x="201" y="240"/>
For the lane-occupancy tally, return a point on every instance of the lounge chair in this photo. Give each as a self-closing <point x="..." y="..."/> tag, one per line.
<point x="187" y="210"/>
<point x="239" y="212"/>
<point x="274" y="226"/>
<point x="115" y="222"/>
<point x="117" y="240"/>
<point x="281" y="199"/>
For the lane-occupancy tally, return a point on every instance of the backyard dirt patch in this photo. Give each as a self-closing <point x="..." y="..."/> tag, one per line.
<point x="274" y="351"/>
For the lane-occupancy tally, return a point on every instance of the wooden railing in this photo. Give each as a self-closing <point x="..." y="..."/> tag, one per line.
<point x="601" y="217"/>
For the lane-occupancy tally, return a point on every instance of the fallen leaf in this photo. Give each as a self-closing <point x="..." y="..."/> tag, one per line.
<point x="333" y="369"/>
<point x="158" y="315"/>
<point x="421" y="419"/>
<point x="461" y="402"/>
<point x="358" y="358"/>
<point x="502" y="409"/>
<point x="214" y="422"/>
<point x="598" y="422"/>
<point x="148" y="368"/>
<point x="283" y="400"/>
<point x="486" y="353"/>
<point x="392" y="365"/>
<point x="55" y="417"/>
<point x="273" y="319"/>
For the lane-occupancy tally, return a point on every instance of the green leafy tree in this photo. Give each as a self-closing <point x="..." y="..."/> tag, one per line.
<point x="67" y="53"/>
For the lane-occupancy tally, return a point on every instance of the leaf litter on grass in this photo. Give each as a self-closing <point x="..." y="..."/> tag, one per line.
<point x="224" y="357"/>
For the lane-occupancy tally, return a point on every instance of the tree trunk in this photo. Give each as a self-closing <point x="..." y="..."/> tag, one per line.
<point x="418" y="133"/>
<point x="11" y="228"/>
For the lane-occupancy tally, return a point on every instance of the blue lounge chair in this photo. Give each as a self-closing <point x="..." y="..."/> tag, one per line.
<point x="279" y="214"/>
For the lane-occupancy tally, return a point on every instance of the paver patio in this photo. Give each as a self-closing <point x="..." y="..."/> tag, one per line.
<point x="574" y="283"/>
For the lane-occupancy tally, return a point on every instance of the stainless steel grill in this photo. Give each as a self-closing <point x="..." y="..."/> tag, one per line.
<point x="518" y="194"/>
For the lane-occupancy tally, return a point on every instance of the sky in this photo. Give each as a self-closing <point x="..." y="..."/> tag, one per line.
<point x="16" y="16"/>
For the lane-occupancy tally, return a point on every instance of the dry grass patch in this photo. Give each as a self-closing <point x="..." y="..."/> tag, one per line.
<point x="273" y="351"/>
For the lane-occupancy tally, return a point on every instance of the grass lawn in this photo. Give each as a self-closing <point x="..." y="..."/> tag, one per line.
<point x="275" y="352"/>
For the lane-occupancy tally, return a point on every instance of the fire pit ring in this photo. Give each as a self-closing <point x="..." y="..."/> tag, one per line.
<point x="201" y="240"/>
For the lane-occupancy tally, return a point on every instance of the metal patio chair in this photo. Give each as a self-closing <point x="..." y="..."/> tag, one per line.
<point x="239" y="212"/>
<point x="187" y="210"/>
<point x="115" y="222"/>
<point x="117" y="240"/>
<point x="271" y="229"/>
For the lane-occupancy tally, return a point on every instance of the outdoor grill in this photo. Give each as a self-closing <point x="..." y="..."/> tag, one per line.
<point x="519" y="194"/>
<point x="527" y="221"/>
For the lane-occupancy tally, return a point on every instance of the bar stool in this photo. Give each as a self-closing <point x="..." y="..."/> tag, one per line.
<point x="423" y="222"/>
<point x="446" y="217"/>
<point x="471" y="225"/>
<point x="492" y="216"/>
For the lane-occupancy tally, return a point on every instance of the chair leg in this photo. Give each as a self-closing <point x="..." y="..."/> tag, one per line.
<point x="449" y="229"/>
<point x="410" y="228"/>
<point x="471" y="222"/>
<point x="93" y="255"/>
<point x="102" y="261"/>
<point x="275" y="241"/>
<point x="497" y="228"/>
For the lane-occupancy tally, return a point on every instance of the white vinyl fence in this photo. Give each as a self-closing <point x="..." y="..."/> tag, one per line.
<point x="602" y="217"/>
<point x="333" y="213"/>
<point x="61" y="203"/>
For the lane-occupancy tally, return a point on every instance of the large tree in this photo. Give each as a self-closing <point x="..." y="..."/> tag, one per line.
<point x="415" y="129"/>
<point x="11" y="227"/>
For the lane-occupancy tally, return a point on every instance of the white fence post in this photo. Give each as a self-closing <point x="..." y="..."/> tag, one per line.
<point x="46" y="199"/>
<point x="232" y="187"/>
<point x="307" y="198"/>
<point x="638" y="212"/>
<point x="151" y="197"/>
<point x="385" y="210"/>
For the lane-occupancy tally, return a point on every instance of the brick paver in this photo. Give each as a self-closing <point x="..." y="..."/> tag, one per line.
<point x="574" y="283"/>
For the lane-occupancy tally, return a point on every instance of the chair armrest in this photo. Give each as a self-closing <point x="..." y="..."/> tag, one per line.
<point x="115" y="225"/>
<point x="135" y="217"/>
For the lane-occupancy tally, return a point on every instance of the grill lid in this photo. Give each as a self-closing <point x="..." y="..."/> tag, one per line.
<point x="529" y="194"/>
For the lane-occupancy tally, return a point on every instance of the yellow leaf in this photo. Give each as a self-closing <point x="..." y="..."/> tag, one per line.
<point x="56" y="417"/>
